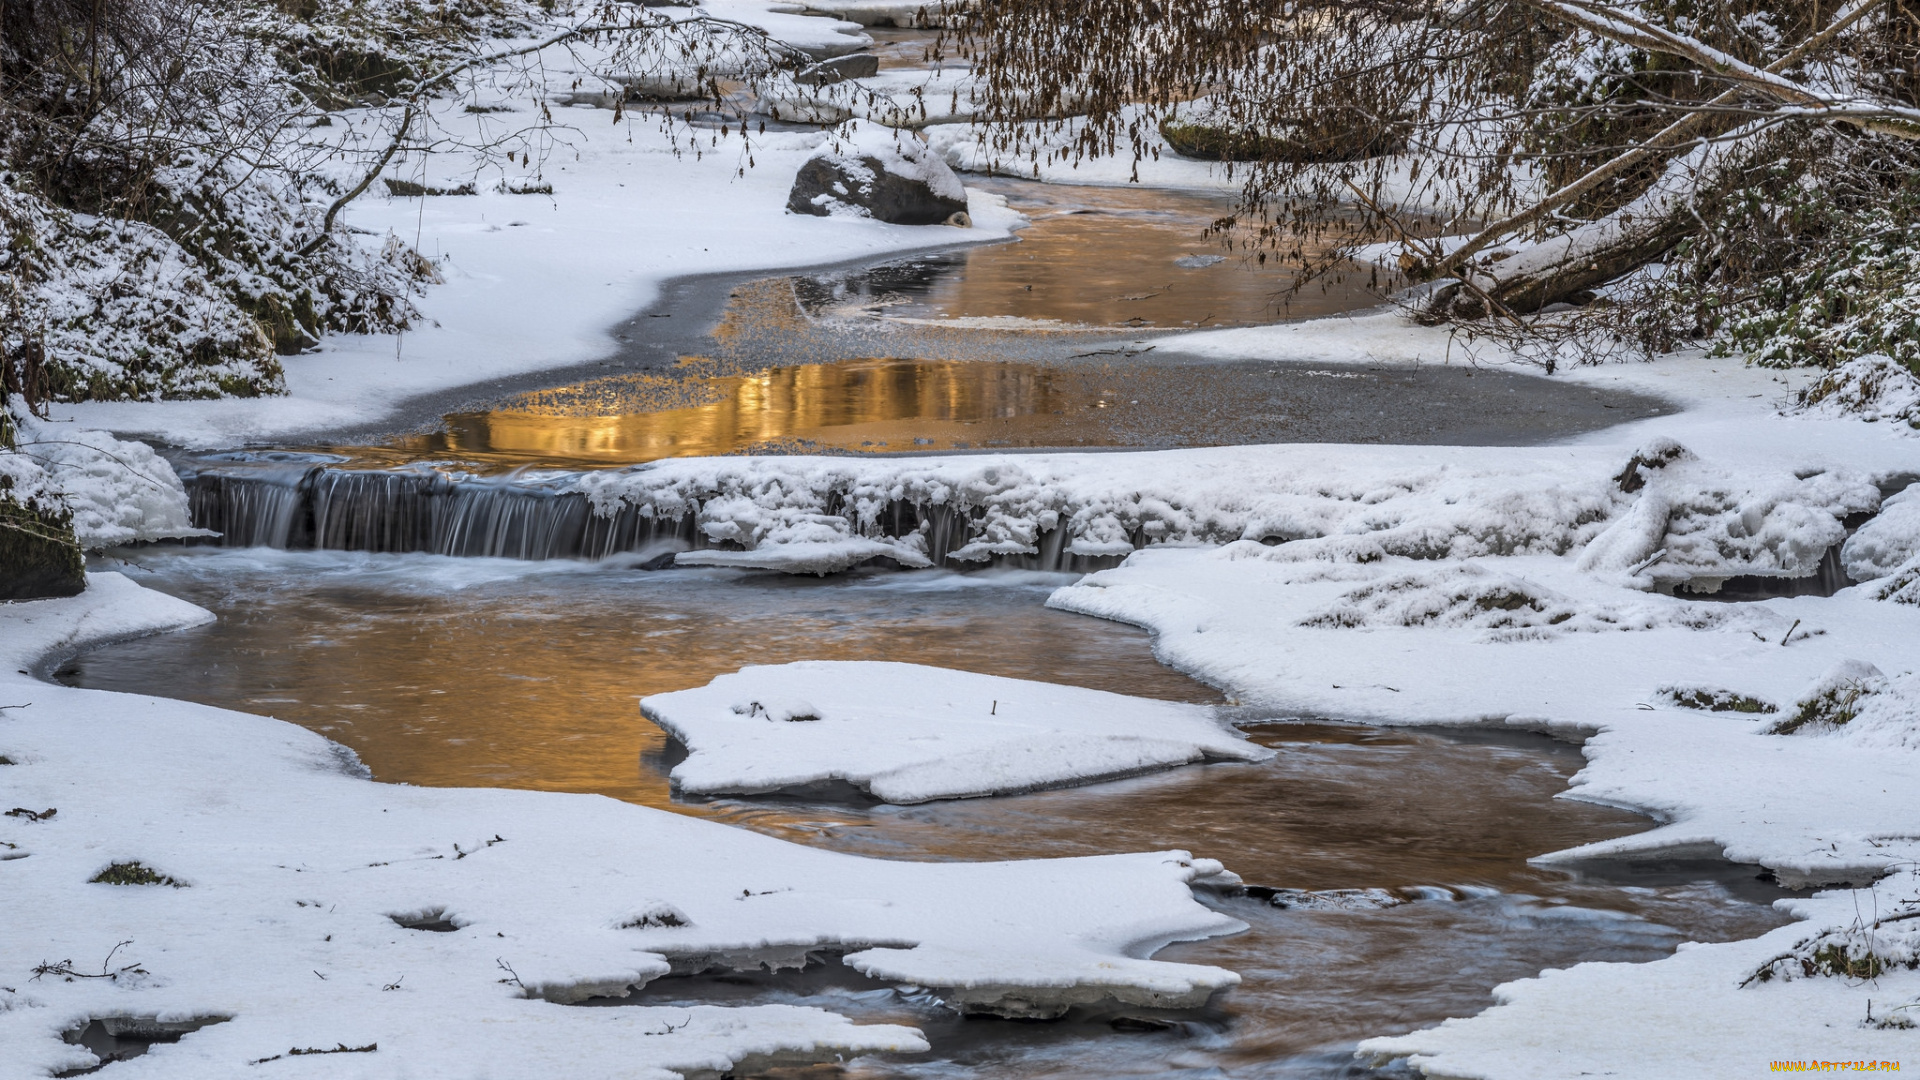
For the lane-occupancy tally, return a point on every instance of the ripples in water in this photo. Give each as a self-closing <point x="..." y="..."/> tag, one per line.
<point x="470" y="671"/>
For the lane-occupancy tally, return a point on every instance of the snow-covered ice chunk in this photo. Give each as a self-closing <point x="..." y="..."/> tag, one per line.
<point x="908" y="733"/>
<point x="1885" y="543"/>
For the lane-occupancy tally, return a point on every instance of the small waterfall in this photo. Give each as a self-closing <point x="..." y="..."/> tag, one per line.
<point x="308" y="503"/>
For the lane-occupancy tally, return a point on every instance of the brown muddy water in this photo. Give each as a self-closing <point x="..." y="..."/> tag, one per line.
<point x="1046" y="342"/>
<point x="486" y="672"/>
<point x="1110" y="256"/>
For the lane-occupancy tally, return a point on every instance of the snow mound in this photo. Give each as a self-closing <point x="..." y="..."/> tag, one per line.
<point x="1695" y="520"/>
<point x="908" y="734"/>
<point x="1835" y="699"/>
<point x="1856" y="703"/>
<point x="120" y="492"/>
<point x="1884" y="544"/>
<point x="1505" y="606"/>
<point x="1305" y="503"/>
<point x="1872" y="388"/>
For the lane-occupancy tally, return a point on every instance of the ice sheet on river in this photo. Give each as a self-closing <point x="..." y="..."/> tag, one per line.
<point x="297" y="900"/>
<point x="907" y="733"/>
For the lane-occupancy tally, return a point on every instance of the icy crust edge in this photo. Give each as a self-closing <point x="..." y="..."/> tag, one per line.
<point x="286" y="866"/>
<point x="113" y="608"/>
<point x="1660" y="513"/>
<point x="1705" y="1011"/>
<point x="908" y="733"/>
<point x="1811" y="779"/>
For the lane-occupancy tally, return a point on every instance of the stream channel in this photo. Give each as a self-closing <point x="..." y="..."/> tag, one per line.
<point x="1393" y="884"/>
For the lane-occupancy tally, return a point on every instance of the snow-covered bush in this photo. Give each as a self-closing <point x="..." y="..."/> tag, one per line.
<point x="1840" y="696"/>
<point x="1873" y="388"/>
<point x="1864" y="950"/>
<point x="1903" y="587"/>
<point x="155" y="177"/>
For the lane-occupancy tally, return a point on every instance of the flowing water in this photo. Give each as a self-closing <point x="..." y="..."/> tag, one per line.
<point x="444" y="671"/>
<point x="1391" y="882"/>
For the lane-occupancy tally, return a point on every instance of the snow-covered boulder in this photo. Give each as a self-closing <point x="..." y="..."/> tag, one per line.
<point x="907" y="733"/>
<point x="893" y="179"/>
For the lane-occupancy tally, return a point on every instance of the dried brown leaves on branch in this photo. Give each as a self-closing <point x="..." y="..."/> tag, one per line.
<point x="1562" y="144"/>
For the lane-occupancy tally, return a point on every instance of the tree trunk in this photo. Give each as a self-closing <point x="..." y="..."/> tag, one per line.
<point x="1570" y="277"/>
<point x="1566" y="267"/>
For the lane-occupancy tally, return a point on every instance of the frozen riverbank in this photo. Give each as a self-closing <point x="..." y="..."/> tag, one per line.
<point x="261" y="880"/>
<point x="1505" y="587"/>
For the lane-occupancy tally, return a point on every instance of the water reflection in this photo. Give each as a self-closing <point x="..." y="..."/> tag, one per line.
<point x="1100" y="256"/>
<point x="457" y="672"/>
<point x="853" y="405"/>
<point x="708" y="407"/>
<point x="454" y="672"/>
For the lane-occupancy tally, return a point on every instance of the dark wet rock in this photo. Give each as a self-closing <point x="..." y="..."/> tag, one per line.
<point x="39" y="557"/>
<point x="839" y="69"/>
<point x="902" y="183"/>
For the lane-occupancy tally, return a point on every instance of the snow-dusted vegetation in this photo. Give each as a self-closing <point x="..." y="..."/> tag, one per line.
<point x="205" y="202"/>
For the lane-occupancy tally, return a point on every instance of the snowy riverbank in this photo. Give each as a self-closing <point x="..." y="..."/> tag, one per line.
<point x="306" y="908"/>
<point x="269" y="884"/>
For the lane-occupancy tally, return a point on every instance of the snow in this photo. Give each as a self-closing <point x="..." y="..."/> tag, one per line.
<point x="533" y="282"/>
<point x="1514" y="588"/>
<point x="946" y="98"/>
<point x="902" y="13"/>
<point x="1687" y="1015"/>
<point x="907" y="733"/>
<point x="1884" y="544"/>
<point x="120" y="491"/>
<point x="295" y="870"/>
<point x="1465" y="586"/>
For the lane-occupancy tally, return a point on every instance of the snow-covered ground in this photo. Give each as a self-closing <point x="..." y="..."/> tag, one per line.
<point x="908" y="733"/>
<point x="1504" y="587"/>
<point x="537" y="281"/>
<point x="286" y="880"/>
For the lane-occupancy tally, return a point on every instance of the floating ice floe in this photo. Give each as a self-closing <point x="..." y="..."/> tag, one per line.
<point x="907" y="733"/>
<point x="238" y="883"/>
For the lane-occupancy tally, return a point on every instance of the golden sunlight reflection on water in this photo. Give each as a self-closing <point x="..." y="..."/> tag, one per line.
<point x="450" y="672"/>
<point x="1131" y="256"/>
<point x="854" y="405"/>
